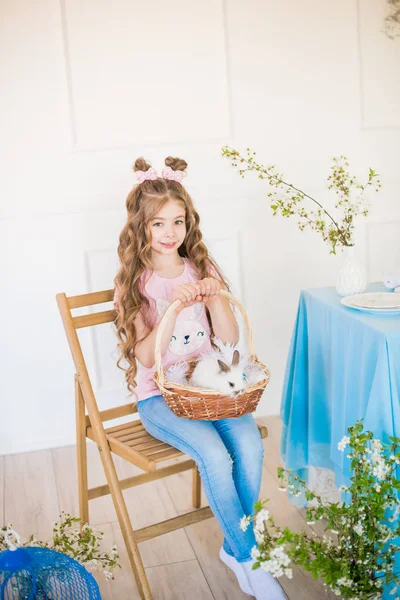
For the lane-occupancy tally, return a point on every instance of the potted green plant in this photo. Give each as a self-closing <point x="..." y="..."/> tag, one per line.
<point x="355" y="556"/>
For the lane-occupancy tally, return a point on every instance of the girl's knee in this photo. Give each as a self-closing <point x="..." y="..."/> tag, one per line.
<point x="214" y="460"/>
<point x="250" y="449"/>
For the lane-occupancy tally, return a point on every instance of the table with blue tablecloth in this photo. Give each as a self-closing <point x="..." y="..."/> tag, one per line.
<point x="343" y="365"/>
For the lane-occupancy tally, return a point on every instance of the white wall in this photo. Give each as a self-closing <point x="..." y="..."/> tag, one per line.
<point x="88" y="87"/>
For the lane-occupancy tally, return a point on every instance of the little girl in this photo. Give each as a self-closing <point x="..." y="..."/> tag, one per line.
<point x="163" y="258"/>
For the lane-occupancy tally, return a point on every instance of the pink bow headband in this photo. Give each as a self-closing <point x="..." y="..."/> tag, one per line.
<point x="167" y="173"/>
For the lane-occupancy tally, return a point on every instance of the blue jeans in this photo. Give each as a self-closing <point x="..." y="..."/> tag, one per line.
<point x="228" y="454"/>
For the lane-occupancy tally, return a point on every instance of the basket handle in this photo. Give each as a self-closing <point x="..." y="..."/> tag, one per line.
<point x="163" y="323"/>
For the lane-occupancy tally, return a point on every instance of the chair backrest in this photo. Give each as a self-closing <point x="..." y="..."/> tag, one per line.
<point x="71" y="325"/>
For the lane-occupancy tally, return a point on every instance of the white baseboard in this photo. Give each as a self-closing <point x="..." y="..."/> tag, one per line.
<point x="19" y="445"/>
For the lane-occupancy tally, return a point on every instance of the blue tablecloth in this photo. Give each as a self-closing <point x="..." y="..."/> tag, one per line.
<point x="343" y="365"/>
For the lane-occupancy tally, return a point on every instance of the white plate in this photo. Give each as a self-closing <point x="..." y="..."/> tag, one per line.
<point x="369" y="303"/>
<point x="378" y="300"/>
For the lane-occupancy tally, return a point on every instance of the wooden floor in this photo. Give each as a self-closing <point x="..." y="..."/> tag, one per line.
<point x="182" y="565"/>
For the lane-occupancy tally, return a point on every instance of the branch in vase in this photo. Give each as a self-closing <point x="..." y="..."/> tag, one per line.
<point x="336" y="233"/>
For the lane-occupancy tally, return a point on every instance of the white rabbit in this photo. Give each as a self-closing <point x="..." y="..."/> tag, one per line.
<point x="214" y="374"/>
<point x="177" y="373"/>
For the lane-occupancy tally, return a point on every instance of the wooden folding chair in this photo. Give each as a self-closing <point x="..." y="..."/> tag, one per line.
<point x="130" y="441"/>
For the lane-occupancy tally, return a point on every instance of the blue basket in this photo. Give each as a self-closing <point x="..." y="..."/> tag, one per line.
<point x="44" y="574"/>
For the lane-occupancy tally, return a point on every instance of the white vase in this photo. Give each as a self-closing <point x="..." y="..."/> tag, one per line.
<point x="352" y="278"/>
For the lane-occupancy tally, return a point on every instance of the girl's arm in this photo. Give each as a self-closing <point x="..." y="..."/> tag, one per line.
<point x="223" y="319"/>
<point x="145" y="347"/>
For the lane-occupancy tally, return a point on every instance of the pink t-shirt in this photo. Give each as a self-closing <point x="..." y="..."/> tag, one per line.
<point x="191" y="334"/>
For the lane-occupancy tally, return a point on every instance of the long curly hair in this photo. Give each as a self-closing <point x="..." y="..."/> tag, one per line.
<point x="134" y="251"/>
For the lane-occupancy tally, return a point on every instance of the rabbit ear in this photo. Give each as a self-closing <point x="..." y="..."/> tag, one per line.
<point x="224" y="367"/>
<point x="235" y="358"/>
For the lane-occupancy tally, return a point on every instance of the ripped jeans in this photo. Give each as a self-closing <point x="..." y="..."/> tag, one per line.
<point x="228" y="454"/>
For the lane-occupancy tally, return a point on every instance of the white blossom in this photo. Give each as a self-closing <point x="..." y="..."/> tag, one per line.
<point x="244" y="522"/>
<point x="343" y="443"/>
<point x="345" y="582"/>
<point x="358" y="528"/>
<point x="259" y="536"/>
<point x="262" y="515"/>
<point x="376" y="445"/>
<point x="289" y="573"/>
<point x="278" y="563"/>
<point x="12" y="539"/>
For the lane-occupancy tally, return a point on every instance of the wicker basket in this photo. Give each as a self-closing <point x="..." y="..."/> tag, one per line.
<point x="196" y="403"/>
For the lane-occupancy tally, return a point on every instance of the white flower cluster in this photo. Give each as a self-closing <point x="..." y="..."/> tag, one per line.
<point x="261" y="517"/>
<point x="327" y="540"/>
<point x="345" y="582"/>
<point x="95" y="563"/>
<point x="380" y="469"/>
<point x="343" y="443"/>
<point x="69" y="540"/>
<point x="278" y="563"/>
<point x="10" y="538"/>
<point x="259" y="524"/>
<point x="393" y="592"/>
<point x="244" y="522"/>
<point x="396" y="513"/>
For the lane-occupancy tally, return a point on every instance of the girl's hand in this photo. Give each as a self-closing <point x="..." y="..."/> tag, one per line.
<point x="209" y="289"/>
<point x="188" y="293"/>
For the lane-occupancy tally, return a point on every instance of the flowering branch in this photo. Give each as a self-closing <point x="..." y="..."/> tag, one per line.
<point x="287" y="198"/>
<point x="360" y="558"/>
<point x="81" y="544"/>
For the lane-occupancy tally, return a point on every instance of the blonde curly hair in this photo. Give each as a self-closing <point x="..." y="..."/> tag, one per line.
<point x="134" y="251"/>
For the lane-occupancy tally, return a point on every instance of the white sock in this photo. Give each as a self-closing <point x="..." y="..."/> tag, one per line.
<point x="238" y="569"/>
<point x="263" y="584"/>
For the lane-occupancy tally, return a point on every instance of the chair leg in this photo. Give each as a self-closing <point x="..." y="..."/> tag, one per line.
<point x="196" y="488"/>
<point x="81" y="454"/>
<point x="117" y="497"/>
<point x="126" y="527"/>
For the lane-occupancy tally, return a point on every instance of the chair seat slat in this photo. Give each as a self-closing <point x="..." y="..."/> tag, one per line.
<point x="133" y="436"/>
<point x="171" y="452"/>
<point x="125" y="426"/>
<point x="147" y="445"/>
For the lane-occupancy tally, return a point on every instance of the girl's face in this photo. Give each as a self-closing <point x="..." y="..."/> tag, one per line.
<point x="168" y="228"/>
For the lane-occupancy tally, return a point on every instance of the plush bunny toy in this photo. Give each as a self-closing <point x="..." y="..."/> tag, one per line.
<point x="214" y="374"/>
